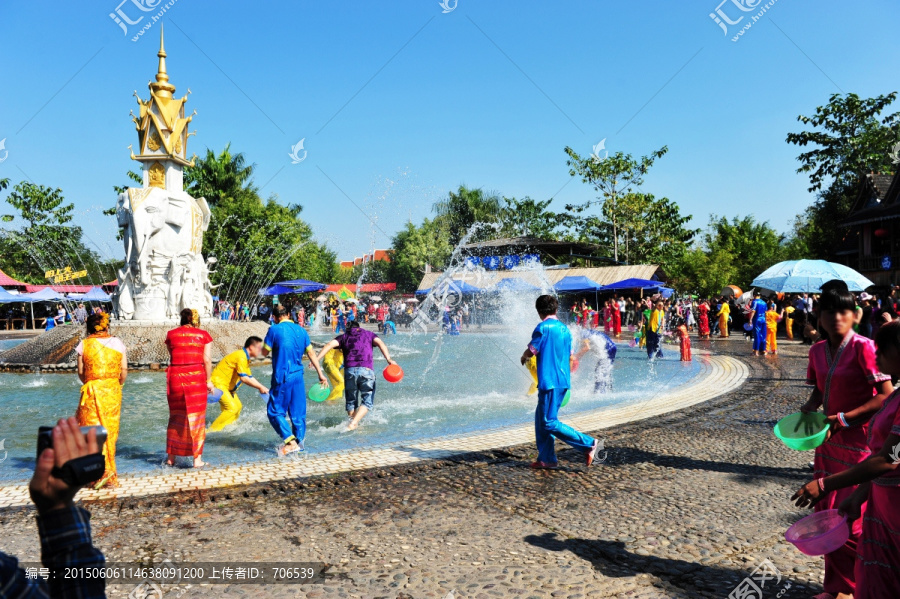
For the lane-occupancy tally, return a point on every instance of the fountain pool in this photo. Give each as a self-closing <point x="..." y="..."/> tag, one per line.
<point x="476" y="384"/>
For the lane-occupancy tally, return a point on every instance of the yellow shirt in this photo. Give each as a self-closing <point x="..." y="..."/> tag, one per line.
<point x="227" y="373"/>
<point x="725" y="310"/>
<point x="656" y="320"/>
<point x="772" y="320"/>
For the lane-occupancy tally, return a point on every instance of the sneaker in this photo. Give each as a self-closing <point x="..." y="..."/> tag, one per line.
<point x="592" y="454"/>
<point x="539" y="465"/>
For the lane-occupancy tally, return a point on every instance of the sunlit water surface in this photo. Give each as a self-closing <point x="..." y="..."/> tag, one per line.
<point x="475" y="382"/>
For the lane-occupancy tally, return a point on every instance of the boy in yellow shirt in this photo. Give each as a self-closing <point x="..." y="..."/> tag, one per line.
<point x="231" y="373"/>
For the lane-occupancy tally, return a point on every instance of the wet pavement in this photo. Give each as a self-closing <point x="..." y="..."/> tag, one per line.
<point x="685" y="505"/>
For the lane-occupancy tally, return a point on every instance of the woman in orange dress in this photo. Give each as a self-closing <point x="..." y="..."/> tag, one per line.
<point x="102" y="368"/>
<point x="187" y="385"/>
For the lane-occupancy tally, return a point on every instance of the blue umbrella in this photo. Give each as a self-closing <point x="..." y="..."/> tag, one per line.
<point x="808" y="276"/>
<point x="301" y="286"/>
<point x="278" y="289"/>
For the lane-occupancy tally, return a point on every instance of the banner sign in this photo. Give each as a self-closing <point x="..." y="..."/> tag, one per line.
<point x="61" y="275"/>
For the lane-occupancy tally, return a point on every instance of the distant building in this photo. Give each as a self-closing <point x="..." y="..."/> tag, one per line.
<point x="376" y="256"/>
<point x="872" y="243"/>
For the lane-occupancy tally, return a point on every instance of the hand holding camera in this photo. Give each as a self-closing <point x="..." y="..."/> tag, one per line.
<point x="67" y="460"/>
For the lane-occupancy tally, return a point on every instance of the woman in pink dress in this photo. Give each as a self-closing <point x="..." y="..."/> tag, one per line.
<point x="878" y="565"/>
<point x="850" y="388"/>
<point x="616" y="318"/>
<point x="608" y="326"/>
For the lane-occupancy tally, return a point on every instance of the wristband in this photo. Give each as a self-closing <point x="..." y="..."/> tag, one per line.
<point x="843" y="419"/>
<point x="821" y="482"/>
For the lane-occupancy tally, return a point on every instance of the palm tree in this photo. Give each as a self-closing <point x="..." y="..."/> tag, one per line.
<point x="465" y="207"/>
<point x="217" y="177"/>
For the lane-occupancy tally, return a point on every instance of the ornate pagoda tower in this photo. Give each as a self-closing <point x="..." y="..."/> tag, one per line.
<point x="162" y="225"/>
<point x="162" y="130"/>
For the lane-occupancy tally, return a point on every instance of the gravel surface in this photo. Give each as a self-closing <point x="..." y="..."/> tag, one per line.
<point x="685" y="506"/>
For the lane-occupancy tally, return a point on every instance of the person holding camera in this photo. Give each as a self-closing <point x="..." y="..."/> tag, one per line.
<point x="64" y="529"/>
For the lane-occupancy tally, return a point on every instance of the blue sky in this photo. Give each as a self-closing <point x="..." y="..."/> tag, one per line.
<point x="399" y="102"/>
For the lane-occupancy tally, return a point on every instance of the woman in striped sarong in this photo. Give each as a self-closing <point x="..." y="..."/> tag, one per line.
<point x="187" y="385"/>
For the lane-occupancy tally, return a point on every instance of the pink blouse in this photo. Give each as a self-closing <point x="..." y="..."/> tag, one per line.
<point x="846" y="380"/>
<point x="883" y="424"/>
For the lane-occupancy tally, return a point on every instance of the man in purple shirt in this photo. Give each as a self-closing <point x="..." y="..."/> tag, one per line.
<point x="359" y="375"/>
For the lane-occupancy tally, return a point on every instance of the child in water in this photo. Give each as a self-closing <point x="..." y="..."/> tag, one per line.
<point x="551" y="342"/>
<point x="682" y="333"/>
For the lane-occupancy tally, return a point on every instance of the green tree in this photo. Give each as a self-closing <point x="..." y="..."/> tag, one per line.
<point x="849" y="139"/>
<point x="656" y="231"/>
<point x="465" y="207"/>
<point x="751" y="247"/>
<point x="414" y="248"/>
<point x="217" y="177"/>
<point x="255" y="241"/>
<point x="46" y="239"/>
<point x="528" y="218"/>
<point x="612" y="178"/>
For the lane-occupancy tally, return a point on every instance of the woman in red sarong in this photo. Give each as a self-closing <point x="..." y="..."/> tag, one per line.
<point x="878" y="559"/>
<point x="616" y="318"/>
<point x="608" y="325"/>
<point x="187" y="385"/>
<point x="703" y="320"/>
<point x="850" y="388"/>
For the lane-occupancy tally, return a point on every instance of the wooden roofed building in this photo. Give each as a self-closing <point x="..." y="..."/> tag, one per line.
<point x="872" y="243"/>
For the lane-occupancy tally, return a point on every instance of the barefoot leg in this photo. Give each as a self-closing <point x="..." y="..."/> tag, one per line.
<point x="361" y="411"/>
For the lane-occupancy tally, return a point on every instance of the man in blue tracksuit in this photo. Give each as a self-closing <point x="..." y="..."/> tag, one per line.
<point x="758" y="320"/>
<point x="287" y="342"/>
<point x="551" y="342"/>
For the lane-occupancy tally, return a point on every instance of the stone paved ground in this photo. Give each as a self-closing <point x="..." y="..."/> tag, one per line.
<point x="685" y="506"/>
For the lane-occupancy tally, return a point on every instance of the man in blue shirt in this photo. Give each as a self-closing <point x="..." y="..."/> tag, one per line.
<point x="551" y="342"/>
<point x="758" y="320"/>
<point x="287" y="342"/>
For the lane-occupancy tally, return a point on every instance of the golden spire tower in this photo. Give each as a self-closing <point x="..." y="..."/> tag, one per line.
<point x="162" y="130"/>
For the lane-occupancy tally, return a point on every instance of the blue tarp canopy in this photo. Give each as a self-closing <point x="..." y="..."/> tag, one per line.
<point x="300" y="286"/>
<point x="96" y="294"/>
<point x="278" y="289"/>
<point x="631" y="284"/>
<point x="44" y="295"/>
<point x="575" y="285"/>
<point x="453" y="286"/>
<point x="8" y="298"/>
<point x="515" y="284"/>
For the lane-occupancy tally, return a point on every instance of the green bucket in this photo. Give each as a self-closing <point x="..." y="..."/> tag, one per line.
<point x="318" y="393"/>
<point x="802" y="431"/>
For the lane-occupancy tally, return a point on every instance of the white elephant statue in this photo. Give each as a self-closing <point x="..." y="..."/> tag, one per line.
<point x="164" y="269"/>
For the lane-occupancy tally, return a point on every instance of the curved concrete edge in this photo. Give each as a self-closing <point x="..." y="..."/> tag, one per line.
<point x="718" y="375"/>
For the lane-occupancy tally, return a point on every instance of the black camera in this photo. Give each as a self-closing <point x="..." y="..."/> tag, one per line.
<point x="79" y="471"/>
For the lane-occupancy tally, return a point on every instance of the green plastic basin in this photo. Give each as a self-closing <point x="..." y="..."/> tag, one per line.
<point x="801" y="431"/>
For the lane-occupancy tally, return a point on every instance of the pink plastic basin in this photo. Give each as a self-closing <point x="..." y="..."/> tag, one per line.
<point x="819" y="533"/>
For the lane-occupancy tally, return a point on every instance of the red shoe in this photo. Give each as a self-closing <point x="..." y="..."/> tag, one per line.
<point x="539" y="465"/>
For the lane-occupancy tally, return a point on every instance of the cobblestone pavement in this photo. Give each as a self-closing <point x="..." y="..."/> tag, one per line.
<point x="686" y="505"/>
